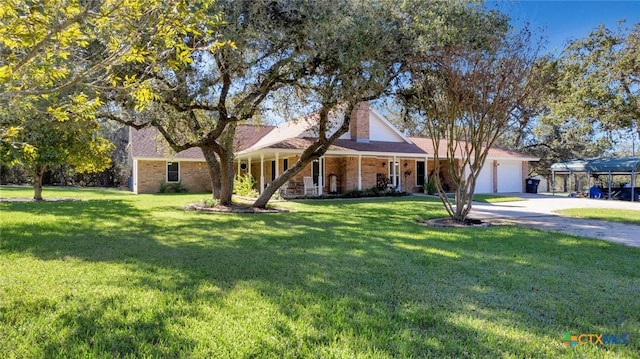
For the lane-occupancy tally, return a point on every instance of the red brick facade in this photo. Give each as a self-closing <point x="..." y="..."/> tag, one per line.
<point x="359" y="125"/>
<point x="195" y="175"/>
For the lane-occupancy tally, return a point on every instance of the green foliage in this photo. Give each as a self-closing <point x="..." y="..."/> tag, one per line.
<point x="593" y="95"/>
<point x="465" y="94"/>
<point x="244" y="185"/>
<point x="176" y="187"/>
<point x="430" y="187"/>
<point x="211" y="202"/>
<point x="39" y="138"/>
<point x="121" y="275"/>
<point x="598" y="79"/>
<point x="373" y="192"/>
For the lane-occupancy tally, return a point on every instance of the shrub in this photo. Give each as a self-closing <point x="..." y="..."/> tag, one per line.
<point x="210" y="202"/>
<point x="430" y="187"/>
<point x="373" y="192"/>
<point x="243" y="186"/>
<point x="173" y="188"/>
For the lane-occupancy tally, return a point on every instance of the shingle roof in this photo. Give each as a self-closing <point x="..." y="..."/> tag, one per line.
<point x="148" y="143"/>
<point x="494" y="152"/>
<point x="342" y="145"/>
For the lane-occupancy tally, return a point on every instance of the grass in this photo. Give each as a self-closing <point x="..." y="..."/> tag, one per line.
<point x="495" y="198"/>
<point x="120" y="275"/>
<point x="605" y="214"/>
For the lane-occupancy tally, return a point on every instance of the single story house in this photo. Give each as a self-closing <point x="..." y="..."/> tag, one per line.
<point x="373" y="153"/>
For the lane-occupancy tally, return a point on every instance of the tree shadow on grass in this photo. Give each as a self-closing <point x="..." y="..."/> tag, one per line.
<point x="350" y="279"/>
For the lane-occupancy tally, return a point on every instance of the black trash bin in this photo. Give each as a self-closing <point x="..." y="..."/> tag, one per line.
<point x="532" y="185"/>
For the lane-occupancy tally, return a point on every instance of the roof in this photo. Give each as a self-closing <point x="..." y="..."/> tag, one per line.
<point x="148" y="143"/>
<point x="343" y="145"/>
<point x="495" y="152"/>
<point x="602" y="164"/>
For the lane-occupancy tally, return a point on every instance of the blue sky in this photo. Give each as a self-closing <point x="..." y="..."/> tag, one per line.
<point x="566" y="20"/>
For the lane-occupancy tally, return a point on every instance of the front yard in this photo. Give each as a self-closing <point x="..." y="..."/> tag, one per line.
<point x="124" y="275"/>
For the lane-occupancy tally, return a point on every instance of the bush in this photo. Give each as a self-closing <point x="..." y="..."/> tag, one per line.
<point x="430" y="187"/>
<point x="373" y="192"/>
<point x="173" y="188"/>
<point x="243" y="186"/>
<point x="210" y="202"/>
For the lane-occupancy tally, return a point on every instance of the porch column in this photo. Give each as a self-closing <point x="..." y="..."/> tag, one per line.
<point x="570" y="181"/>
<point x="239" y="167"/>
<point x="553" y="183"/>
<point x="249" y="166"/>
<point x="426" y="168"/>
<point x="320" y="175"/>
<point x="633" y="185"/>
<point x="261" y="173"/>
<point x="277" y="166"/>
<point x="359" y="172"/>
<point x="393" y="173"/>
<point x="609" y="183"/>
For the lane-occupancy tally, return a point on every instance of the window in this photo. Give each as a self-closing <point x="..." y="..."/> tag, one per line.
<point x="315" y="171"/>
<point x="285" y="164"/>
<point x="173" y="171"/>
<point x="420" y="172"/>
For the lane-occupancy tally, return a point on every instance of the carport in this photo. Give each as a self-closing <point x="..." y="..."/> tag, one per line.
<point x="610" y="166"/>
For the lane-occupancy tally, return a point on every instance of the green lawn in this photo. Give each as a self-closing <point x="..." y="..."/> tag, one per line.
<point x="605" y="214"/>
<point x="495" y="198"/>
<point x="120" y="275"/>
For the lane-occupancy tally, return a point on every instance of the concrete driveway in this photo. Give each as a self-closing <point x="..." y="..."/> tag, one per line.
<point x="537" y="212"/>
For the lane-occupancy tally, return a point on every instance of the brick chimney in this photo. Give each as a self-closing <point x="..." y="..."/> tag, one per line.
<point x="359" y="126"/>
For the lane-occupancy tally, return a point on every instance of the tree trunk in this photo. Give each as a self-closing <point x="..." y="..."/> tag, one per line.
<point x="272" y="187"/>
<point x="314" y="151"/>
<point x="37" y="183"/>
<point x="214" y="170"/>
<point x="226" y="177"/>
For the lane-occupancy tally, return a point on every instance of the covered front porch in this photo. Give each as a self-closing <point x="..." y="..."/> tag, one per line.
<point x="339" y="173"/>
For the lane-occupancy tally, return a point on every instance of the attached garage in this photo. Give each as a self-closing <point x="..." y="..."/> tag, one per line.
<point x="484" y="183"/>
<point x="509" y="176"/>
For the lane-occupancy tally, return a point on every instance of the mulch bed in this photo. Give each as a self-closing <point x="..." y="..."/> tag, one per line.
<point x="234" y="208"/>
<point x="450" y="223"/>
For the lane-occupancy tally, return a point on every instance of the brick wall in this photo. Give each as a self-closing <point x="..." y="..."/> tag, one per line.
<point x="150" y="175"/>
<point x="193" y="175"/>
<point x="359" y="125"/>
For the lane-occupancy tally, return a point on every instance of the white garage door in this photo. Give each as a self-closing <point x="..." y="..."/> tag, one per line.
<point x="509" y="176"/>
<point x="484" y="183"/>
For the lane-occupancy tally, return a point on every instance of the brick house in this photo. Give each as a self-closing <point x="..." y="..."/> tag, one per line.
<point x="373" y="153"/>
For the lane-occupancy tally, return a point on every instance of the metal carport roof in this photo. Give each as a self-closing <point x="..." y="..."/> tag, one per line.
<point x="612" y="165"/>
